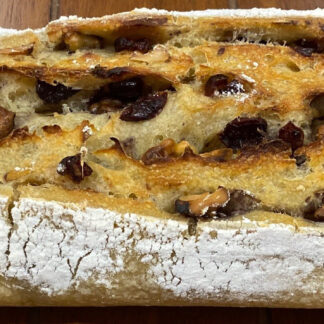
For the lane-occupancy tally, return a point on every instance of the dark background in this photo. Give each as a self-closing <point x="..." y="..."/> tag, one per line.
<point x="37" y="13"/>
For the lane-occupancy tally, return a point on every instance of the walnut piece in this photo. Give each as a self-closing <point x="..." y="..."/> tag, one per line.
<point x="202" y="205"/>
<point x="6" y="122"/>
<point x="166" y="150"/>
<point x="75" y="41"/>
<point x="21" y="50"/>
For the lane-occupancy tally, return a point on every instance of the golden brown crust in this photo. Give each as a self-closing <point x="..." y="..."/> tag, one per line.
<point x="286" y="28"/>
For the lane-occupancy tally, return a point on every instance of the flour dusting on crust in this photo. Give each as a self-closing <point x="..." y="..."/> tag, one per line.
<point x="243" y="13"/>
<point x="55" y="247"/>
<point x="239" y="13"/>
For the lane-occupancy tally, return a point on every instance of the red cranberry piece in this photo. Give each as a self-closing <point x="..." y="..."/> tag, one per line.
<point x="142" y="45"/>
<point x="267" y="146"/>
<point x="221" y="51"/>
<point x="307" y="47"/>
<point x="219" y="84"/>
<point x="240" y="202"/>
<point x="113" y="74"/>
<point x="182" y="207"/>
<point x="243" y="131"/>
<point x="216" y="83"/>
<point x="100" y="94"/>
<point x="300" y="159"/>
<point x="53" y="93"/>
<point x="304" y="51"/>
<point x="145" y="108"/>
<point x="123" y="43"/>
<point x="73" y="167"/>
<point x="233" y="87"/>
<point x="126" y="90"/>
<point x="292" y="134"/>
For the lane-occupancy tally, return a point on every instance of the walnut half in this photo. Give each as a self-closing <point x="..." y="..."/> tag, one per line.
<point x="21" y="50"/>
<point x="166" y="150"/>
<point x="6" y="122"/>
<point x="75" y="41"/>
<point x="203" y="205"/>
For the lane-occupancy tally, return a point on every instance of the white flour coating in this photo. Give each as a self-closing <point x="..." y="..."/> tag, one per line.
<point x="247" y="13"/>
<point x="55" y="248"/>
<point x="11" y="31"/>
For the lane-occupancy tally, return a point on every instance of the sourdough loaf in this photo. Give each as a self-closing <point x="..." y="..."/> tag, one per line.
<point x="164" y="158"/>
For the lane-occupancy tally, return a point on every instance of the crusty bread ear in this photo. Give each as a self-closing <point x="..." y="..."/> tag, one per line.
<point x="163" y="159"/>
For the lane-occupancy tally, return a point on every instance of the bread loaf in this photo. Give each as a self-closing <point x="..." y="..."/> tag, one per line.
<point x="164" y="158"/>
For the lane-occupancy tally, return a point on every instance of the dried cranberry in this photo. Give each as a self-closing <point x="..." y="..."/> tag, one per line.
<point x="304" y="51"/>
<point x="243" y="131"/>
<point x="182" y="207"/>
<point x="300" y="159"/>
<point x="142" y="45"/>
<point x="240" y="202"/>
<point x="171" y="88"/>
<point x="53" y="93"/>
<point x="307" y="47"/>
<point x="221" y="51"/>
<point x="292" y="134"/>
<point x="114" y="96"/>
<point x="275" y="146"/>
<point x="216" y="83"/>
<point x="100" y="94"/>
<point x="73" y="167"/>
<point x="145" y="108"/>
<point x="113" y="74"/>
<point x="233" y="87"/>
<point x="126" y="90"/>
<point x="219" y="84"/>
